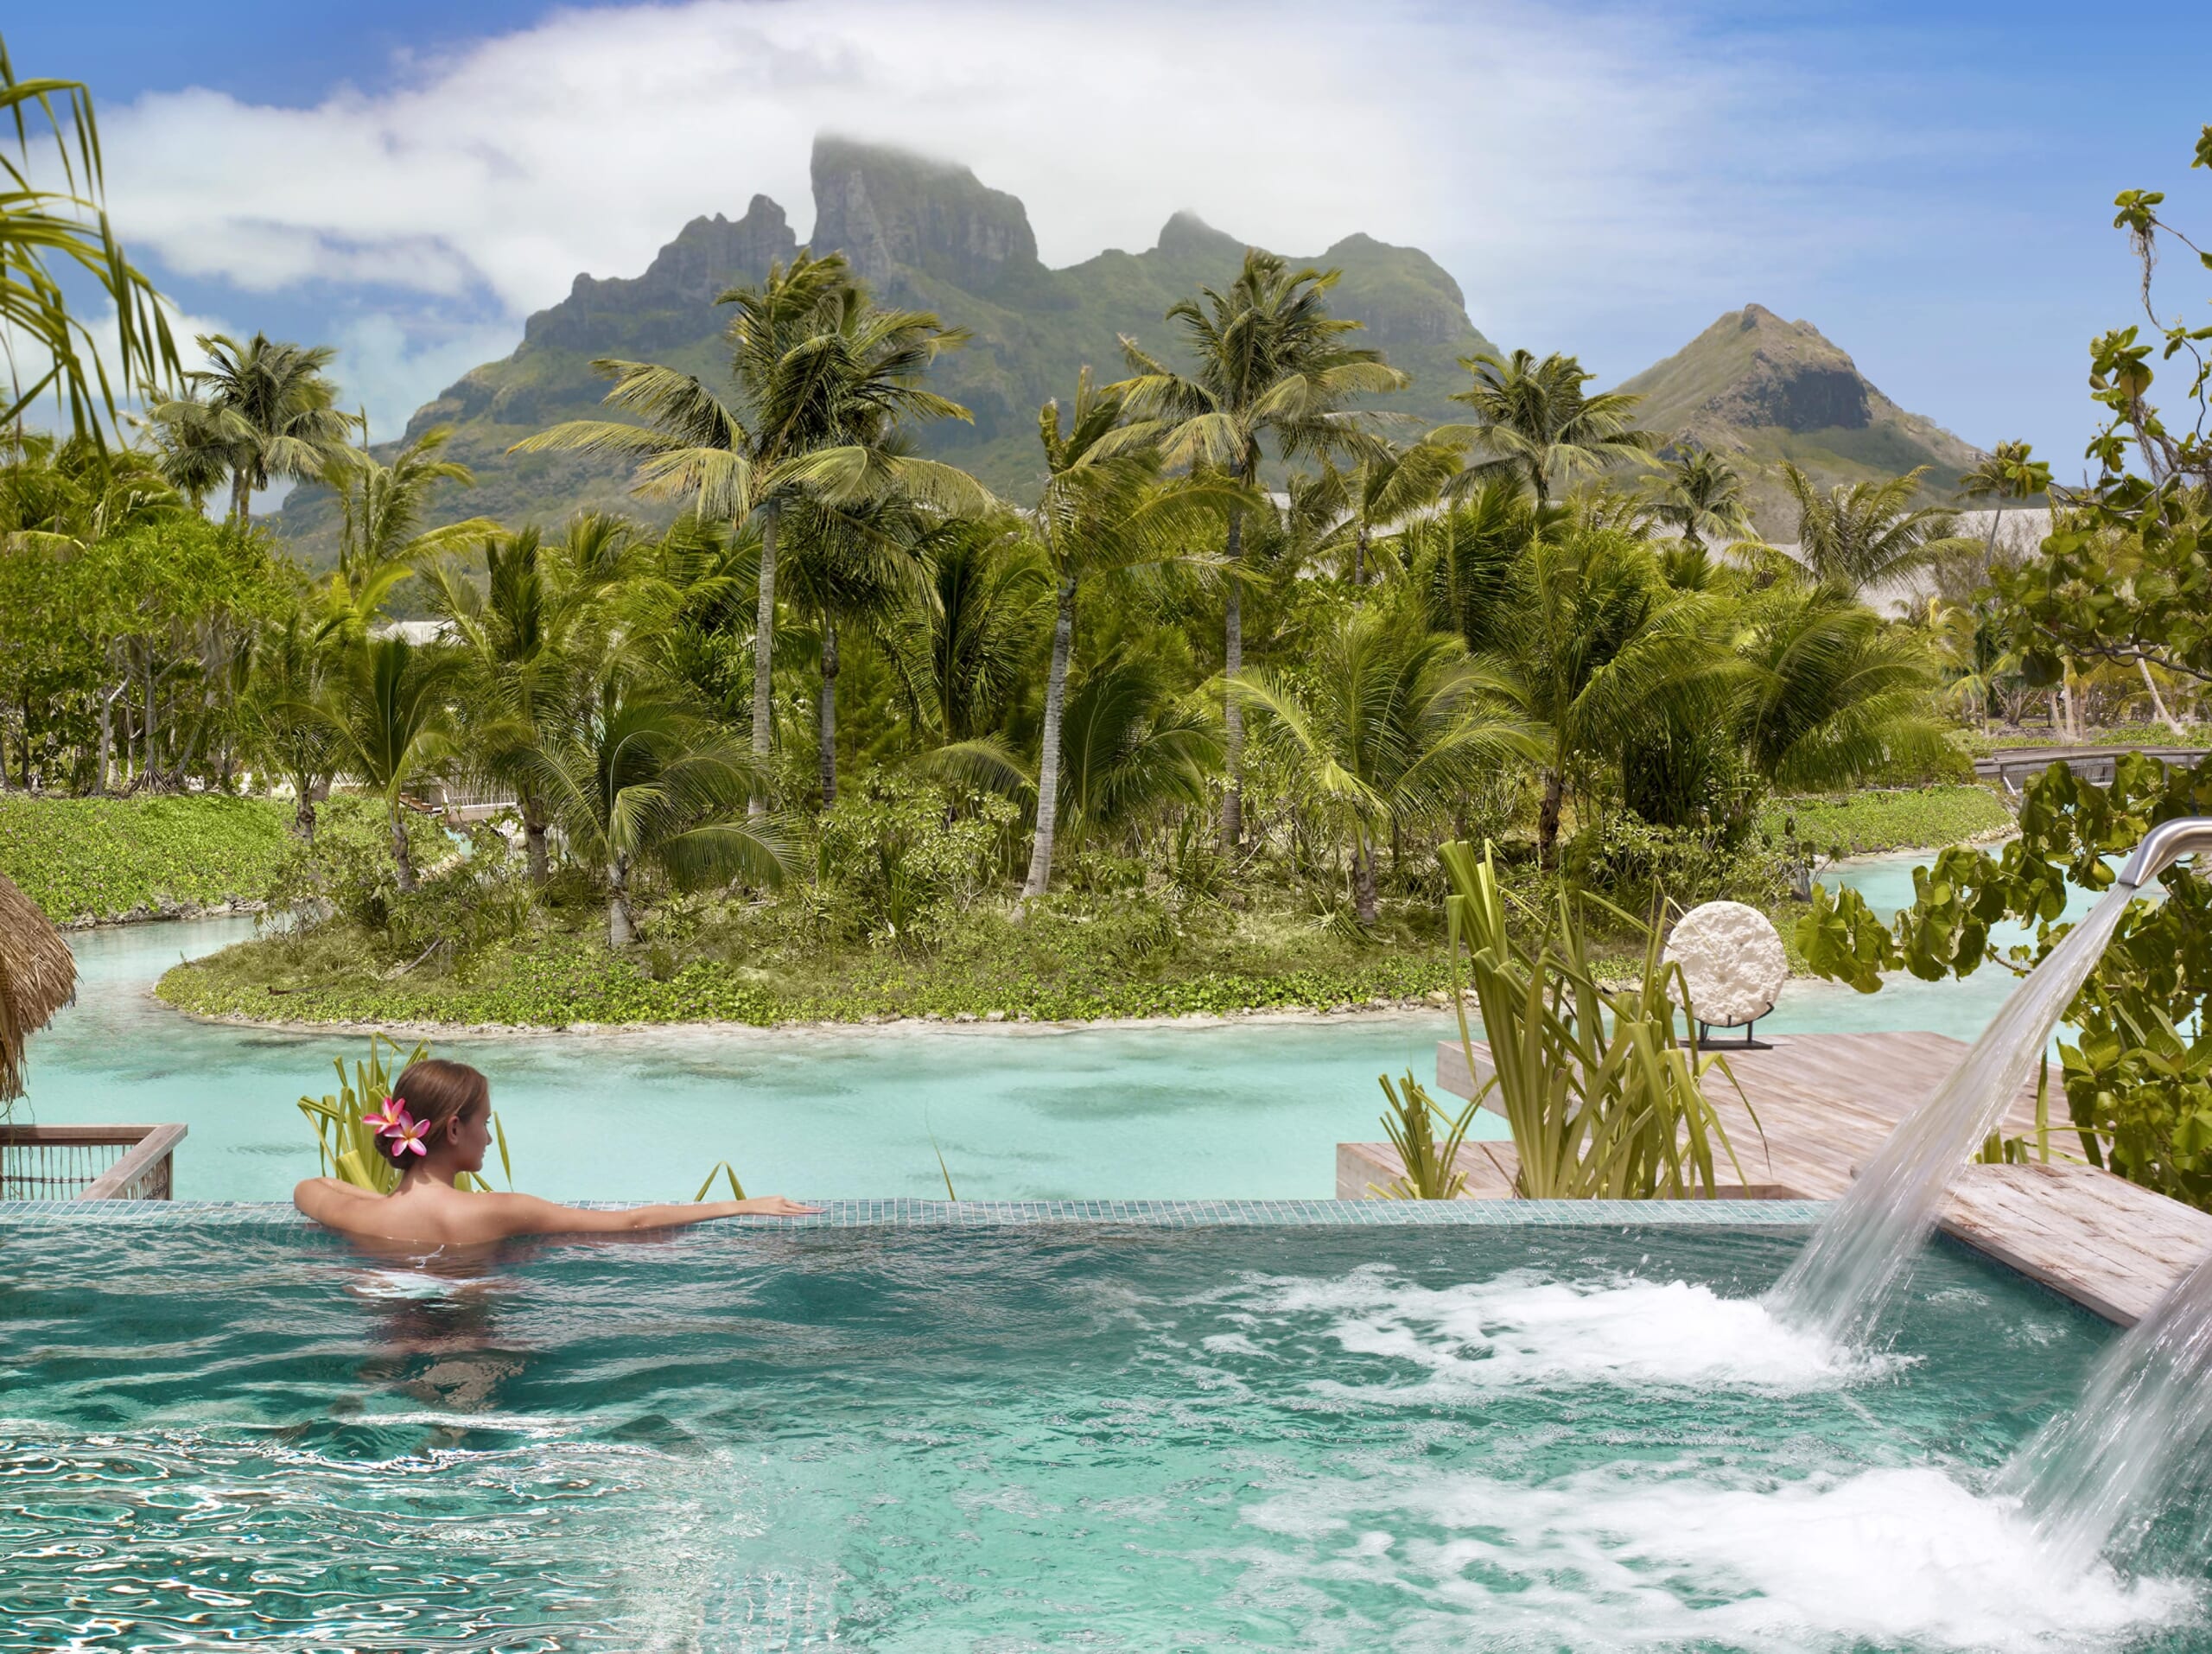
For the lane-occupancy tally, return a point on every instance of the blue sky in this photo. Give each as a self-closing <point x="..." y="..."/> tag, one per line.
<point x="1929" y="184"/>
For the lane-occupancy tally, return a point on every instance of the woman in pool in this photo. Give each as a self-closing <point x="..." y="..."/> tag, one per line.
<point x="435" y="1125"/>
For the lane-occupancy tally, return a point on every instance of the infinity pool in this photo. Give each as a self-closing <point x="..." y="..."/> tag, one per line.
<point x="1039" y="1436"/>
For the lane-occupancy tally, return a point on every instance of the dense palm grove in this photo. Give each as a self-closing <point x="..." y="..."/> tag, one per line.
<point x="1246" y="636"/>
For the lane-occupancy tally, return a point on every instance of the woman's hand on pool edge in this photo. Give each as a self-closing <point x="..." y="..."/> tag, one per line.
<point x="773" y="1205"/>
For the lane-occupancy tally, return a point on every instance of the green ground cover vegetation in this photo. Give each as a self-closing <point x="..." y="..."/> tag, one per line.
<point x="1882" y="820"/>
<point x="98" y="860"/>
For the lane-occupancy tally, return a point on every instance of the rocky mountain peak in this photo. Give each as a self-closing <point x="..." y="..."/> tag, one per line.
<point x="1188" y="236"/>
<point x="890" y="211"/>
<point x="673" y="301"/>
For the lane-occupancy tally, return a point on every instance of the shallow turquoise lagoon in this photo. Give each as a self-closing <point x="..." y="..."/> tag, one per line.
<point x="1251" y="1110"/>
<point x="1055" y="1437"/>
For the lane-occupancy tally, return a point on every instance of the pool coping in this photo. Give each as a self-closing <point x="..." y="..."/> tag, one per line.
<point x="901" y="1213"/>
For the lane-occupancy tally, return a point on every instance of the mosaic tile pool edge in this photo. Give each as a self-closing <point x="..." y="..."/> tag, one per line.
<point x="990" y="1214"/>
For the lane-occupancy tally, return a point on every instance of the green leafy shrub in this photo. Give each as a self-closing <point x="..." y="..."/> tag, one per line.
<point x="1639" y="865"/>
<point x="903" y="855"/>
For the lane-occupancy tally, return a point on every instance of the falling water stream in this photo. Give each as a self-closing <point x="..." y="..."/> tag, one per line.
<point x="2102" y="1470"/>
<point x="1841" y="1280"/>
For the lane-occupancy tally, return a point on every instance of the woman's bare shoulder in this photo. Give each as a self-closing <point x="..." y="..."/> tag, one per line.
<point x="531" y="1214"/>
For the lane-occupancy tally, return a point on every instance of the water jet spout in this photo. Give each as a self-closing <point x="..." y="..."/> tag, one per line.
<point x="2164" y="845"/>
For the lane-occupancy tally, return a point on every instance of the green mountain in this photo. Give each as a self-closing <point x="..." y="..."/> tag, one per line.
<point x="1760" y="390"/>
<point x="923" y="234"/>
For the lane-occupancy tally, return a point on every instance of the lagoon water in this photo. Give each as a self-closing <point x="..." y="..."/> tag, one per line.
<point x="1249" y="1110"/>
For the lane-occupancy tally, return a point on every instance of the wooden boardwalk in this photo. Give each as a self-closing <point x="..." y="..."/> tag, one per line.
<point x="2014" y="766"/>
<point x="1825" y="1102"/>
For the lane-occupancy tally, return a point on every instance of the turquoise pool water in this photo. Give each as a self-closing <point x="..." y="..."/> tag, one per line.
<point x="1106" y="1438"/>
<point x="1254" y="1109"/>
<point x="1249" y="1110"/>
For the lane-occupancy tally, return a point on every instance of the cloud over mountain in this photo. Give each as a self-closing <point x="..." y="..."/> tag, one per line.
<point x="1540" y="152"/>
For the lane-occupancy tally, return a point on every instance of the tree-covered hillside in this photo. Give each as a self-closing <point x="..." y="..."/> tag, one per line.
<point x="920" y="233"/>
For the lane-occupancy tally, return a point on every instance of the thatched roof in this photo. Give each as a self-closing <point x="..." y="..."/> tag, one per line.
<point x="38" y="976"/>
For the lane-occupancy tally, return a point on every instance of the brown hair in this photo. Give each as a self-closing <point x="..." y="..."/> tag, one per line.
<point x="435" y="1091"/>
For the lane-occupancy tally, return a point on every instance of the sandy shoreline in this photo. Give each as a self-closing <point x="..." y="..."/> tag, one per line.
<point x="964" y="1024"/>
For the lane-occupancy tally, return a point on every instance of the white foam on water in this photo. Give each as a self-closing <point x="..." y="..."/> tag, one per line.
<point x="1521" y="1328"/>
<point x="1893" y="1558"/>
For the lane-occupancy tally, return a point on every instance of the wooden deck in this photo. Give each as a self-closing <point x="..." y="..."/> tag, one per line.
<point x="1825" y="1102"/>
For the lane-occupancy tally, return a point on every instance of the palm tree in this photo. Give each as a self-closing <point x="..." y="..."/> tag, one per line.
<point x="969" y="646"/>
<point x="2009" y="472"/>
<point x="1539" y="426"/>
<point x="1271" y="365"/>
<point x="1389" y="484"/>
<point x="382" y="506"/>
<point x="1592" y="645"/>
<point x="1830" y="693"/>
<point x="1965" y="639"/>
<point x="43" y="225"/>
<point x="529" y="639"/>
<point x="1387" y="723"/>
<point x="641" y="780"/>
<point x="265" y="410"/>
<point x="1129" y="748"/>
<point x="861" y="566"/>
<point x="826" y="381"/>
<point x="1103" y="507"/>
<point x="1861" y="535"/>
<point x="388" y="703"/>
<point x="1697" y="492"/>
<point x="285" y="715"/>
<point x="1462" y="560"/>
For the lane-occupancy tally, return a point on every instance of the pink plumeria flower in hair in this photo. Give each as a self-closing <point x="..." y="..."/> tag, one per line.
<point x="390" y="1121"/>
<point x="410" y="1135"/>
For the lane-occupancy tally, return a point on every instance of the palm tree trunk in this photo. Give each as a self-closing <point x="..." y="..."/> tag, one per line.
<point x="1048" y="760"/>
<point x="829" y="709"/>
<point x="533" y="842"/>
<point x="241" y="497"/>
<point x="303" y="809"/>
<point x="1232" y="797"/>
<point x="1359" y="557"/>
<point x="1547" y="821"/>
<point x="107" y="742"/>
<point x="402" y="853"/>
<point x="764" y="644"/>
<point x="621" y="928"/>
<point x="2157" y="701"/>
<point x="147" y="768"/>
<point x="1363" y="877"/>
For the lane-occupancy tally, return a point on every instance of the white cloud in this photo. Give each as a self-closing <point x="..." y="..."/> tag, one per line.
<point x="1547" y="157"/>
<point x="27" y="363"/>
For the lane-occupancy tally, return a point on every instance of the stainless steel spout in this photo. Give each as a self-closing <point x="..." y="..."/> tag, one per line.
<point x="2164" y="845"/>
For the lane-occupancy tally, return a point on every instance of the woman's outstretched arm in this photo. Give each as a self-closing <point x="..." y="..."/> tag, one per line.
<point x="526" y="1214"/>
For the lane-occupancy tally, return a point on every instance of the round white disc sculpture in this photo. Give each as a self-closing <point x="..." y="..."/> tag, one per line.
<point x="1732" y="958"/>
